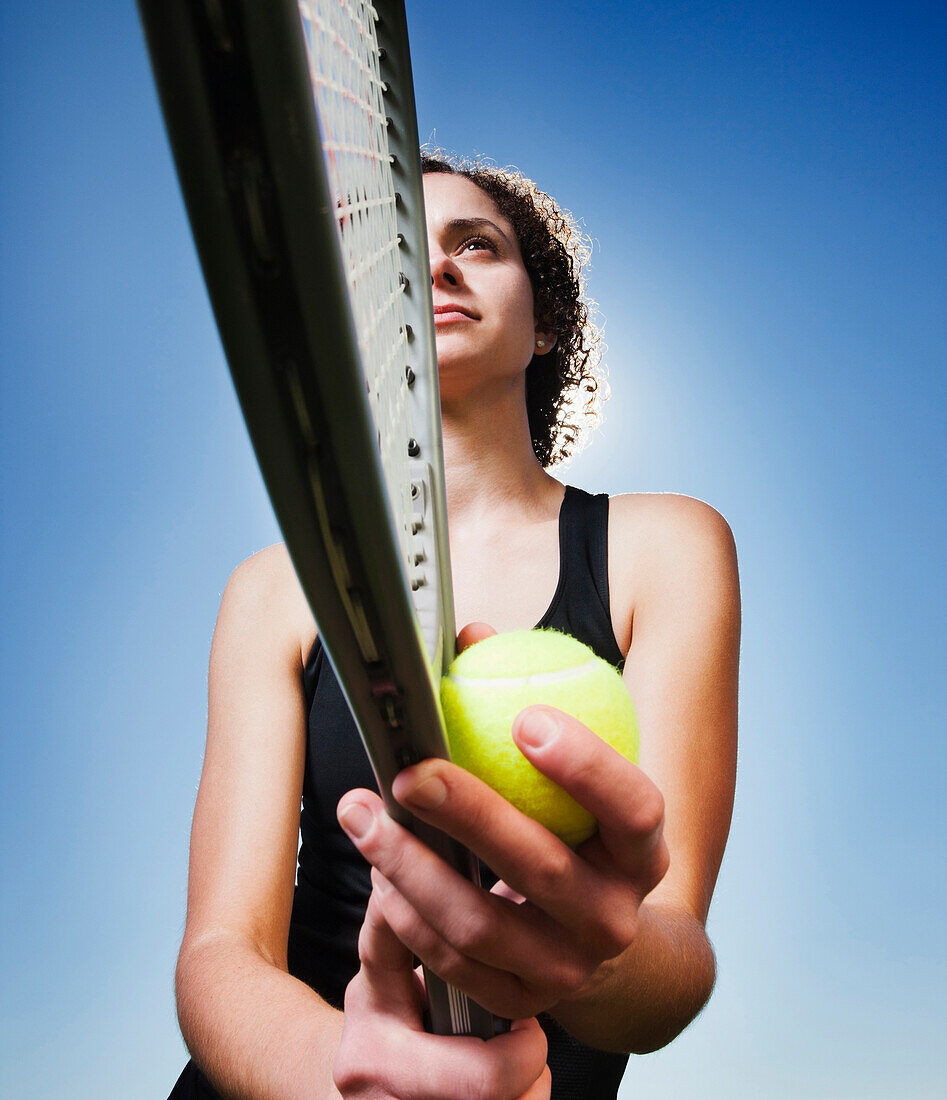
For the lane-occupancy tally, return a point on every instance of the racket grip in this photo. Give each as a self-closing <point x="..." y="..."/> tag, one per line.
<point x="449" y="1011"/>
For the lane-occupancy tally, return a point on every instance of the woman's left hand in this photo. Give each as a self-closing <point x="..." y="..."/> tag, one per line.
<point x="557" y="914"/>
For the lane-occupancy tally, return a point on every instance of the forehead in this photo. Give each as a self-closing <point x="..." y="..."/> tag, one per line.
<point x="449" y="196"/>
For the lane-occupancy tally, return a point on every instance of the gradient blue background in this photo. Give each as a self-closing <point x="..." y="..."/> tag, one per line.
<point x="765" y="184"/>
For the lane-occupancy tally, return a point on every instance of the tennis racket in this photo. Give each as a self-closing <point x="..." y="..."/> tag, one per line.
<point x="294" y="132"/>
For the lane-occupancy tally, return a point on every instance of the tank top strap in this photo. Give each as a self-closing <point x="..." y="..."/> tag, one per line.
<point x="581" y="606"/>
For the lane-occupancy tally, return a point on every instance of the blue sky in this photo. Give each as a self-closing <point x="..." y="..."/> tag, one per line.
<point x="765" y="187"/>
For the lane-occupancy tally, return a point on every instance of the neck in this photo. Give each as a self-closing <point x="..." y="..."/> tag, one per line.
<point x="491" y="469"/>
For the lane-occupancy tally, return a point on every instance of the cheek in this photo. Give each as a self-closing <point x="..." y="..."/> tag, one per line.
<point x="520" y="310"/>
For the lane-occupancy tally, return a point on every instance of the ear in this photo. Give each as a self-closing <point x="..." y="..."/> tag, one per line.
<point x="544" y="343"/>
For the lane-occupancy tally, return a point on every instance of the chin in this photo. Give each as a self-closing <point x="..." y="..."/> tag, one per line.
<point x="453" y="359"/>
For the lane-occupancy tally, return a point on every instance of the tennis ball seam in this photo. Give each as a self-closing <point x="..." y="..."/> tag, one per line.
<point x="517" y="670"/>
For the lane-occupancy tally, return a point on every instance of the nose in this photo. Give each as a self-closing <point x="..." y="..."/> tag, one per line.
<point x="444" y="272"/>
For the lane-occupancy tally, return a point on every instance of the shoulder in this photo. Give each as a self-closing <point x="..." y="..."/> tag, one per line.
<point x="662" y="522"/>
<point x="670" y="550"/>
<point x="263" y="597"/>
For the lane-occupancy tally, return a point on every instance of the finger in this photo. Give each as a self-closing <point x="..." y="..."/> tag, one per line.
<point x="379" y="1059"/>
<point x="473" y="633"/>
<point x="628" y="806"/>
<point x="497" y="989"/>
<point x="541" y="1089"/>
<point x="524" y="854"/>
<point x="453" y="925"/>
<point x="514" y="1063"/>
<point x="535" y="1048"/>
<point x="386" y="979"/>
<point x="592" y="894"/>
<point x="379" y="949"/>
<point x="454" y="1068"/>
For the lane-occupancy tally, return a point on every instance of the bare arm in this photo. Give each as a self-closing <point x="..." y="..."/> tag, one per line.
<point x="682" y="673"/>
<point x="257" y="1032"/>
<point x="253" y="1029"/>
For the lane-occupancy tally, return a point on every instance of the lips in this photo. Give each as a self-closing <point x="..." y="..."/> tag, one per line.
<point x="450" y="312"/>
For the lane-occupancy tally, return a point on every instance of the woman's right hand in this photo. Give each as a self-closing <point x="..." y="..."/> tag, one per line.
<point x="385" y="1051"/>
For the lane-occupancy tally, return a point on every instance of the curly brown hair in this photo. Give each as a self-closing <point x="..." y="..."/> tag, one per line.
<point x="566" y="387"/>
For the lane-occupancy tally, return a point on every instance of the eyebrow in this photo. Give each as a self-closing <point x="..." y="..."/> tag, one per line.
<point x="472" y="225"/>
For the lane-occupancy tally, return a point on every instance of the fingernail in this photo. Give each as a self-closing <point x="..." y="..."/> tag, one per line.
<point x="382" y="885"/>
<point x="428" y="794"/>
<point x="356" y="820"/>
<point x="537" y="728"/>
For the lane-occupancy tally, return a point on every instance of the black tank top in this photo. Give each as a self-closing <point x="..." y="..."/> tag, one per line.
<point x="333" y="882"/>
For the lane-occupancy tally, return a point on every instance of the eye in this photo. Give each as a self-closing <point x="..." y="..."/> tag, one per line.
<point x="478" y="244"/>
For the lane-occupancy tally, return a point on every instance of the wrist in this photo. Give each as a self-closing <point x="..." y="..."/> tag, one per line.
<point x="643" y="998"/>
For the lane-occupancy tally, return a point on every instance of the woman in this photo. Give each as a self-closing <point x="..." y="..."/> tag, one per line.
<point x="605" y="945"/>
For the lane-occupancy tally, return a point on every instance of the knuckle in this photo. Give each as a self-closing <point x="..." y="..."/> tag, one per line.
<point x="621" y="934"/>
<point x="571" y="977"/>
<point x="472" y="932"/>
<point x="449" y="964"/>
<point x="648" y="814"/>
<point x="364" y="947"/>
<point x="563" y="979"/>
<point x="550" y="873"/>
<point x="354" y="995"/>
<point x="349" y="1072"/>
<point x="414" y="933"/>
<point x="446" y="962"/>
<point x="662" y="862"/>
<point x="615" y="931"/>
<point x="567" y="970"/>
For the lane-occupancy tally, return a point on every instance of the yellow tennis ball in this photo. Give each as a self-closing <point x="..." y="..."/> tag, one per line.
<point x="492" y="681"/>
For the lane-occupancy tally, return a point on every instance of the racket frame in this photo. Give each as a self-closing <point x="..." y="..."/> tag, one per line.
<point x="234" y="85"/>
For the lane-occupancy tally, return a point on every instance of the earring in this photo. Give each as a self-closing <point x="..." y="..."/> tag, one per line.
<point x="540" y="343"/>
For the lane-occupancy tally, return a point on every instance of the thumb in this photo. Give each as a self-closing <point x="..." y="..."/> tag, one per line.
<point x="473" y="633"/>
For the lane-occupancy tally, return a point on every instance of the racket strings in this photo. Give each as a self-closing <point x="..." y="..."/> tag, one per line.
<point x="349" y="95"/>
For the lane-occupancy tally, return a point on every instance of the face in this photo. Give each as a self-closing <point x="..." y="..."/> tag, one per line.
<point x="483" y="301"/>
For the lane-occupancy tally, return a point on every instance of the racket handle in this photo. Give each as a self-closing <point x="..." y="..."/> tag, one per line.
<point x="449" y="1011"/>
